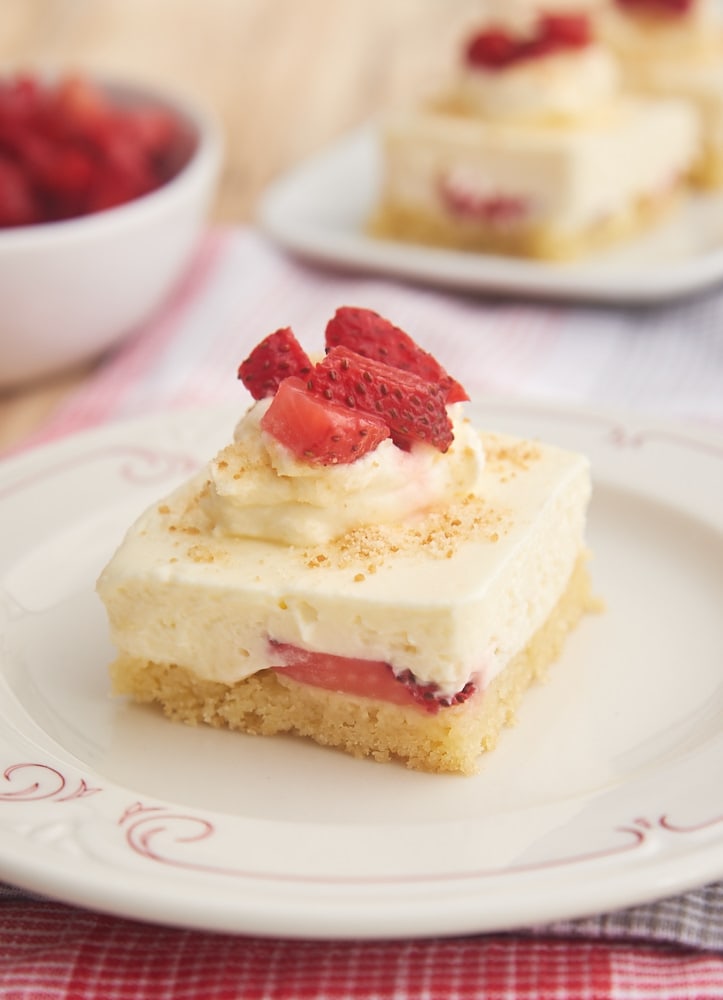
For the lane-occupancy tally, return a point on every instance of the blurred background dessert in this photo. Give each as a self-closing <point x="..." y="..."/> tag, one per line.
<point x="534" y="149"/>
<point x="675" y="48"/>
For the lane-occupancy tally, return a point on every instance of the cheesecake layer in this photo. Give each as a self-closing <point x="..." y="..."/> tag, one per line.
<point x="678" y="58"/>
<point x="451" y="593"/>
<point x="534" y="189"/>
<point x="268" y="703"/>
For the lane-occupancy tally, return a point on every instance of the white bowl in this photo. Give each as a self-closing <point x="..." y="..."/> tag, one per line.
<point x="71" y="289"/>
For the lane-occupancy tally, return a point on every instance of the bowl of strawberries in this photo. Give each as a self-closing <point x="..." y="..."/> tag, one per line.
<point x="104" y="189"/>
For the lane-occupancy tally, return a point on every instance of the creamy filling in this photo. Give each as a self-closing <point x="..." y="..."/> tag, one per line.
<point x="257" y="489"/>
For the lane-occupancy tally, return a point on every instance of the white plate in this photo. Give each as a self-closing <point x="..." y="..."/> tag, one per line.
<point x="318" y="211"/>
<point x="606" y="794"/>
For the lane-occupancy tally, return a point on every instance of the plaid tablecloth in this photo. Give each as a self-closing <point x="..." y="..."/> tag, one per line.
<point x="665" y="361"/>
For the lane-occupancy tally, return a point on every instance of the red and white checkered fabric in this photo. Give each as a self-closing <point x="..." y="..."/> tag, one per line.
<point x="55" y="952"/>
<point x="667" y="362"/>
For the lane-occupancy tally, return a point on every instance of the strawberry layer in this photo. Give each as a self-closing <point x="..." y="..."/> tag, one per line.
<point x="364" y="678"/>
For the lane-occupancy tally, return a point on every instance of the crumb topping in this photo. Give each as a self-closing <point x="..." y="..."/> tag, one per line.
<point x="505" y="459"/>
<point x="191" y="522"/>
<point x="438" y="535"/>
<point x="235" y="460"/>
<point x="201" y="554"/>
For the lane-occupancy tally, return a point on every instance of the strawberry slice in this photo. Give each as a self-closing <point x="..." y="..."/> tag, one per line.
<point x="274" y="359"/>
<point x="367" y="333"/>
<point x="566" y="31"/>
<point x="363" y="678"/>
<point x="412" y="408"/>
<point x="318" y="431"/>
<point x="493" y="49"/>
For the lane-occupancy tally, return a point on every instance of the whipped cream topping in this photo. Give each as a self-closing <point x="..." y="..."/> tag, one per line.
<point x="258" y="489"/>
<point x="565" y="84"/>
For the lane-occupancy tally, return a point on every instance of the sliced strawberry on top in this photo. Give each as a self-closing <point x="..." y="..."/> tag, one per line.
<point x="495" y="48"/>
<point x="412" y="408"/>
<point x="367" y="333"/>
<point x="566" y="30"/>
<point x="274" y="359"/>
<point x="318" y="431"/>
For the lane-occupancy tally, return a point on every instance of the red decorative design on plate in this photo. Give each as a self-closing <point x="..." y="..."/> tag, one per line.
<point x="148" y="829"/>
<point x="41" y="781"/>
<point x="622" y="438"/>
<point x="671" y="827"/>
<point x="618" y="435"/>
<point x="137" y="466"/>
<point x="153" y="832"/>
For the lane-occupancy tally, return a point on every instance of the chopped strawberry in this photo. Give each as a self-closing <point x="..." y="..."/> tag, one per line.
<point x="79" y="151"/>
<point x="412" y="408"/>
<point x="76" y="105"/>
<point x="17" y="203"/>
<point x="364" y="678"/>
<point x="374" y="382"/>
<point x="493" y="49"/>
<point x="274" y="359"/>
<point x="318" y="431"/>
<point x="367" y="333"/>
<point x="566" y="30"/>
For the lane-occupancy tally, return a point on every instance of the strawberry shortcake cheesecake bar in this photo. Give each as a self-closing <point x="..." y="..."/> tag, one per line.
<point x="533" y="149"/>
<point x="360" y="565"/>
<point x="674" y="48"/>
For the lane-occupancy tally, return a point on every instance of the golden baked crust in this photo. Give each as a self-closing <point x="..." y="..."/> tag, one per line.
<point x="267" y="703"/>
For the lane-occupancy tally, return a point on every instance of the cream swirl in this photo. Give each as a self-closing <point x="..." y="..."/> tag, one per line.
<point x="257" y="489"/>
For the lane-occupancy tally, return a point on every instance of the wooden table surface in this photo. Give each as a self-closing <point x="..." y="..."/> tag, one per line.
<point x="285" y="77"/>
